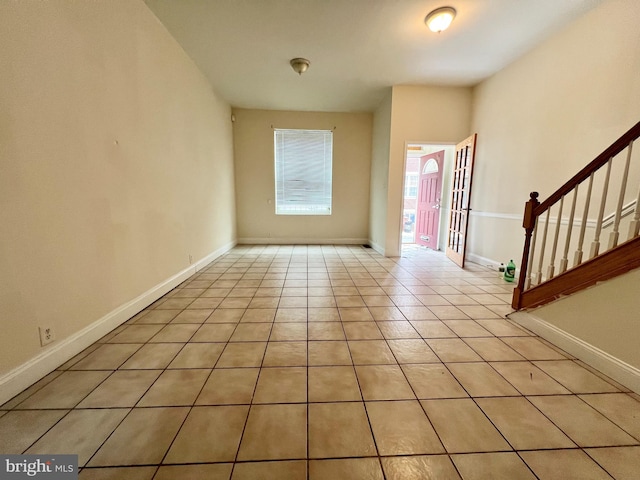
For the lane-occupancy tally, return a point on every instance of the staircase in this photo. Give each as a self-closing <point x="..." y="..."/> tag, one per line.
<point x="570" y="243"/>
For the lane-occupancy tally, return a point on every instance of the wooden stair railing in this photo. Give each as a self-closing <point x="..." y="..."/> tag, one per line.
<point x="537" y="285"/>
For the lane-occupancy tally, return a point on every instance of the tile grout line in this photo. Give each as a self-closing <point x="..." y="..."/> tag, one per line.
<point x="142" y="396"/>
<point x="251" y="404"/>
<point x="364" y="405"/>
<point x="195" y="399"/>
<point x="525" y="397"/>
<point x="469" y="397"/>
<point x="345" y="267"/>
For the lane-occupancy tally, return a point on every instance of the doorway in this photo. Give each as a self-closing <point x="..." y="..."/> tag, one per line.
<point x="435" y="194"/>
<point x="428" y="201"/>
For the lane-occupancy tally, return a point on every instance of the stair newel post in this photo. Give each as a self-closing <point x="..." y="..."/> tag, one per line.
<point x="528" y="223"/>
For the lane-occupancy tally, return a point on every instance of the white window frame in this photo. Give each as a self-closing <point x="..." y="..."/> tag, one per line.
<point x="411" y="183"/>
<point x="303" y="164"/>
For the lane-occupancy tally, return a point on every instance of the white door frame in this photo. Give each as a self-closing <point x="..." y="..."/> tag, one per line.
<point x="448" y="147"/>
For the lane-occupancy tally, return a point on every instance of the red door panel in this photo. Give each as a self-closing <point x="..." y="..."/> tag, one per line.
<point x="428" y="205"/>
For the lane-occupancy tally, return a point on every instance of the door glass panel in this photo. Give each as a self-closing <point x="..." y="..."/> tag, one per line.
<point x="460" y="199"/>
<point x="431" y="166"/>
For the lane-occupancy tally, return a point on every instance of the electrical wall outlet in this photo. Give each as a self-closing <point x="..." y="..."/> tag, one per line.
<point x="46" y="335"/>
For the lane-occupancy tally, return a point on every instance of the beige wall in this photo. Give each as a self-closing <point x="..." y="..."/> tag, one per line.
<point x="380" y="174"/>
<point x="116" y="164"/>
<point x="420" y="114"/>
<point x="591" y="316"/>
<point x="255" y="184"/>
<point x="543" y="118"/>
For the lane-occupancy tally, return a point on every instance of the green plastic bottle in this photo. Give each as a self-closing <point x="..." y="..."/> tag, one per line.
<point x="510" y="271"/>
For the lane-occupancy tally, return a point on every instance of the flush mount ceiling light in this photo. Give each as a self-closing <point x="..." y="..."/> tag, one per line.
<point x="440" y="19"/>
<point x="300" y="65"/>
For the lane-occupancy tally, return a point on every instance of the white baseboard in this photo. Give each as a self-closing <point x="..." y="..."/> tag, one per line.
<point x="620" y="371"/>
<point x="301" y="241"/>
<point x="472" y="257"/>
<point x="376" y="247"/>
<point x="488" y="262"/>
<point x="25" y="375"/>
<point x="203" y="262"/>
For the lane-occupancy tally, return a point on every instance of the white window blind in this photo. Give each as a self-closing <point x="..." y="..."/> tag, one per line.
<point x="303" y="161"/>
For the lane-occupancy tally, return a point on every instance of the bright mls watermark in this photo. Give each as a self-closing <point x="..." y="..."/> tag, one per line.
<point x="49" y="467"/>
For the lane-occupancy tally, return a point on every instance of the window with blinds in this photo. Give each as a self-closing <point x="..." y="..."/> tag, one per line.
<point x="303" y="161"/>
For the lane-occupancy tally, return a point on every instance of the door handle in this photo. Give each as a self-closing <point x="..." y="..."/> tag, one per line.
<point x="436" y="207"/>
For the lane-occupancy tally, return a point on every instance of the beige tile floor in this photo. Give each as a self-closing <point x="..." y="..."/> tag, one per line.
<point x="329" y="362"/>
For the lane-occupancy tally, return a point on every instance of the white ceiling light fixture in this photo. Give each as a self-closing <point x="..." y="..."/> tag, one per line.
<point x="440" y="19"/>
<point x="300" y="65"/>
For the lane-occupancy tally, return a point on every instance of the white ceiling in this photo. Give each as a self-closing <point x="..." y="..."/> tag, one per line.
<point x="357" y="48"/>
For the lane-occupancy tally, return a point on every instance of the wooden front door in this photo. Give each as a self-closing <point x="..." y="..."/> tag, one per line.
<point x="460" y="198"/>
<point x="428" y="204"/>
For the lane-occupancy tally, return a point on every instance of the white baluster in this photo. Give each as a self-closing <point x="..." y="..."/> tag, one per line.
<point x="577" y="260"/>
<point x="595" y="245"/>
<point x="614" y="235"/>
<point x="527" y="283"/>
<point x="552" y="266"/>
<point x="565" y="261"/>
<point x="544" y="244"/>
<point x="634" y="226"/>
